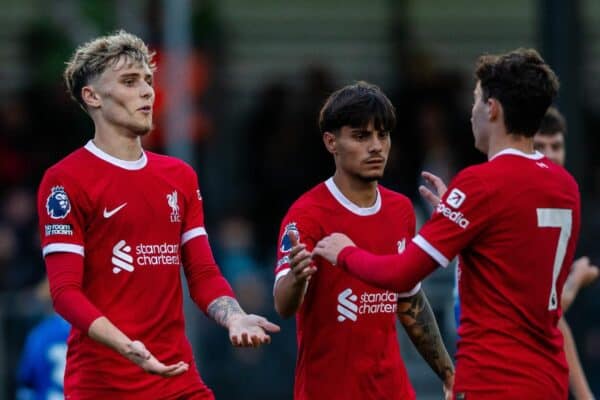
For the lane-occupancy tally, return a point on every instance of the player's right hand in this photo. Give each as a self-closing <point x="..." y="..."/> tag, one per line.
<point x="438" y="184"/>
<point x="301" y="262"/>
<point x="137" y="353"/>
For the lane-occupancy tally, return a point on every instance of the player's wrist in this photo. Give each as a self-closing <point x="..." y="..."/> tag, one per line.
<point x="234" y="318"/>
<point x="298" y="282"/>
<point x="343" y="256"/>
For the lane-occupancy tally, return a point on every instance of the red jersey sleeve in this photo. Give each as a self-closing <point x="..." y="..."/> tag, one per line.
<point x="193" y="220"/>
<point x="61" y="206"/>
<point x="307" y="230"/>
<point x="205" y="281"/>
<point x="461" y="215"/>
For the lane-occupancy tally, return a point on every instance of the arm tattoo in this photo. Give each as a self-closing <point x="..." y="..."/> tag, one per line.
<point x="418" y="320"/>
<point x="223" y="308"/>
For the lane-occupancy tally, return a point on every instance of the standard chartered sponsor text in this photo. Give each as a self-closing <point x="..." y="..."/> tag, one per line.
<point x="373" y="303"/>
<point x="157" y="254"/>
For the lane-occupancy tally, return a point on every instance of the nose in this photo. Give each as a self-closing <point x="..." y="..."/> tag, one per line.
<point x="375" y="144"/>
<point x="146" y="91"/>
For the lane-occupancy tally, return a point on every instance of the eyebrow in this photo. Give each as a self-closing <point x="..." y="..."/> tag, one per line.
<point x="135" y="75"/>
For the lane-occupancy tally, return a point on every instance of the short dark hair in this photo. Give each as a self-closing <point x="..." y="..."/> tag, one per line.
<point x="356" y="105"/>
<point x="553" y="122"/>
<point x="523" y="83"/>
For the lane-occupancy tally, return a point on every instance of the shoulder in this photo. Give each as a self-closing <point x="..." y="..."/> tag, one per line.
<point x="475" y="178"/>
<point x="174" y="169"/>
<point x="71" y="164"/>
<point x="162" y="161"/>
<point x="565" y="176"/>
<point x="392" y="197"/>
<point x="311" y="203"/>
<point x="70" y="172"/>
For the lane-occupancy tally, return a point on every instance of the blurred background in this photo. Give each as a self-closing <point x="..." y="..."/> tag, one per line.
<point x="238" y="87"/>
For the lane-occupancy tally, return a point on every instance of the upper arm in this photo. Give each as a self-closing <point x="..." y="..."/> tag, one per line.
<point x="193" y="219"/>
<point x="307" y="230"/>
<point x="61" y="210"/>
<point x="463" y="213"/>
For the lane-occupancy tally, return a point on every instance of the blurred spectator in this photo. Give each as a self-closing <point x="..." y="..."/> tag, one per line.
<point x="236" y="250"/>
<point x="19" y="251"/>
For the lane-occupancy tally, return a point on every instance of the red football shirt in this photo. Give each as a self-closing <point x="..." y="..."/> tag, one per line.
<point x="346" y="331"/>
<point x="129" y="221"/>
<point x="514" y="221"/>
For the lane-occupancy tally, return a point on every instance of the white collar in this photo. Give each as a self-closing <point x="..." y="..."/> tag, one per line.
<point x="535" y="156"/>
<point x="349" y="205"/>
<point x="129" y="165"/>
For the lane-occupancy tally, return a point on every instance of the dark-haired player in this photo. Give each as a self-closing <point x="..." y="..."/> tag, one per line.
<point x="501" y="217"/>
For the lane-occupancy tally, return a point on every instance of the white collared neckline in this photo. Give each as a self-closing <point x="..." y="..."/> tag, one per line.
<point x="128" y="165"/>
<point x="514" y="152"/>
<point x="349" y="205"/>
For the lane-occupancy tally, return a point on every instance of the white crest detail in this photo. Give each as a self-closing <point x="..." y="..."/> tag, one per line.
<point x="122" y="259"/>
<point x="172" y="201"/>
<point x="401" y="245"/>
<point x="347" y="305"/>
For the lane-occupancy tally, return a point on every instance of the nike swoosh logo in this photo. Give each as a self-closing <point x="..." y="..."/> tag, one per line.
<point x="108" y="214"/>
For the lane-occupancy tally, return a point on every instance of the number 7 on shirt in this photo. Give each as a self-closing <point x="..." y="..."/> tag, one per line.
<point x="556" y="218"/>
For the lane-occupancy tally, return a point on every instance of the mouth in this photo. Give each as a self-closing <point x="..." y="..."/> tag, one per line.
<point x="145" y="109"/>
<point x="375" y="161"/>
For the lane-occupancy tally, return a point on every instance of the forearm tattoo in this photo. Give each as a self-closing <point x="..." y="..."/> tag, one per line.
<point x="223" y="308"/>
<point x="418" y="320"/>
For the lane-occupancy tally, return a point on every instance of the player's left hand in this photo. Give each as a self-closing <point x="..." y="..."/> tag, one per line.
<point x="250" y="330"/>
<point x="331" y="246"/>
<point x="438" y="184"/>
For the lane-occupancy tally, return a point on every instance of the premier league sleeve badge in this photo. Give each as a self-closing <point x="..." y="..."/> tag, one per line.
<point x="286" y="241"/>
<point x="57" y="204"/>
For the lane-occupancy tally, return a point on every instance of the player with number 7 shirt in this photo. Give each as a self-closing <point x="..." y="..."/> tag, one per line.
<point x="501" y="218"/>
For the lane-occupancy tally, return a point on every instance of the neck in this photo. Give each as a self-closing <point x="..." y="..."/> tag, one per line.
<point x="359" y="192"/>
<point x="505" y="141"/>
<point x="126" y="147"/>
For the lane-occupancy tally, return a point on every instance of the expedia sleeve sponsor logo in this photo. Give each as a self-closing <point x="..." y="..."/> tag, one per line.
<point x="456" y="198"/>
<point x="58" y="229"/>
<point x="455" y="216"/>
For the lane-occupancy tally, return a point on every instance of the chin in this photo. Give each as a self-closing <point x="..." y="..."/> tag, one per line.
<point x="141" y="130"/>
<point x="371" y="177"/>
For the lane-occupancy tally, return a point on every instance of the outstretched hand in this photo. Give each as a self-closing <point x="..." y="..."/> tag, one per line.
<point x="437" y="183"/>
<point x="137" y="353"/>
<point x="331" y="246"/>
<point x="250" y="330"/>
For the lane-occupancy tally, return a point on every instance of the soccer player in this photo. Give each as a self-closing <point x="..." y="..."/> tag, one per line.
<point x="548" y="140"/>
<point x="501" y="217"/>
<point x="116" y="223"/>
<point x="346" y="331"/>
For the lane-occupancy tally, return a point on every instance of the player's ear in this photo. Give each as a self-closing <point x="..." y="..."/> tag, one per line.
<point x="494" y="109"/>
<point x="90" y="96"/>
<point x="329" y="140"/>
